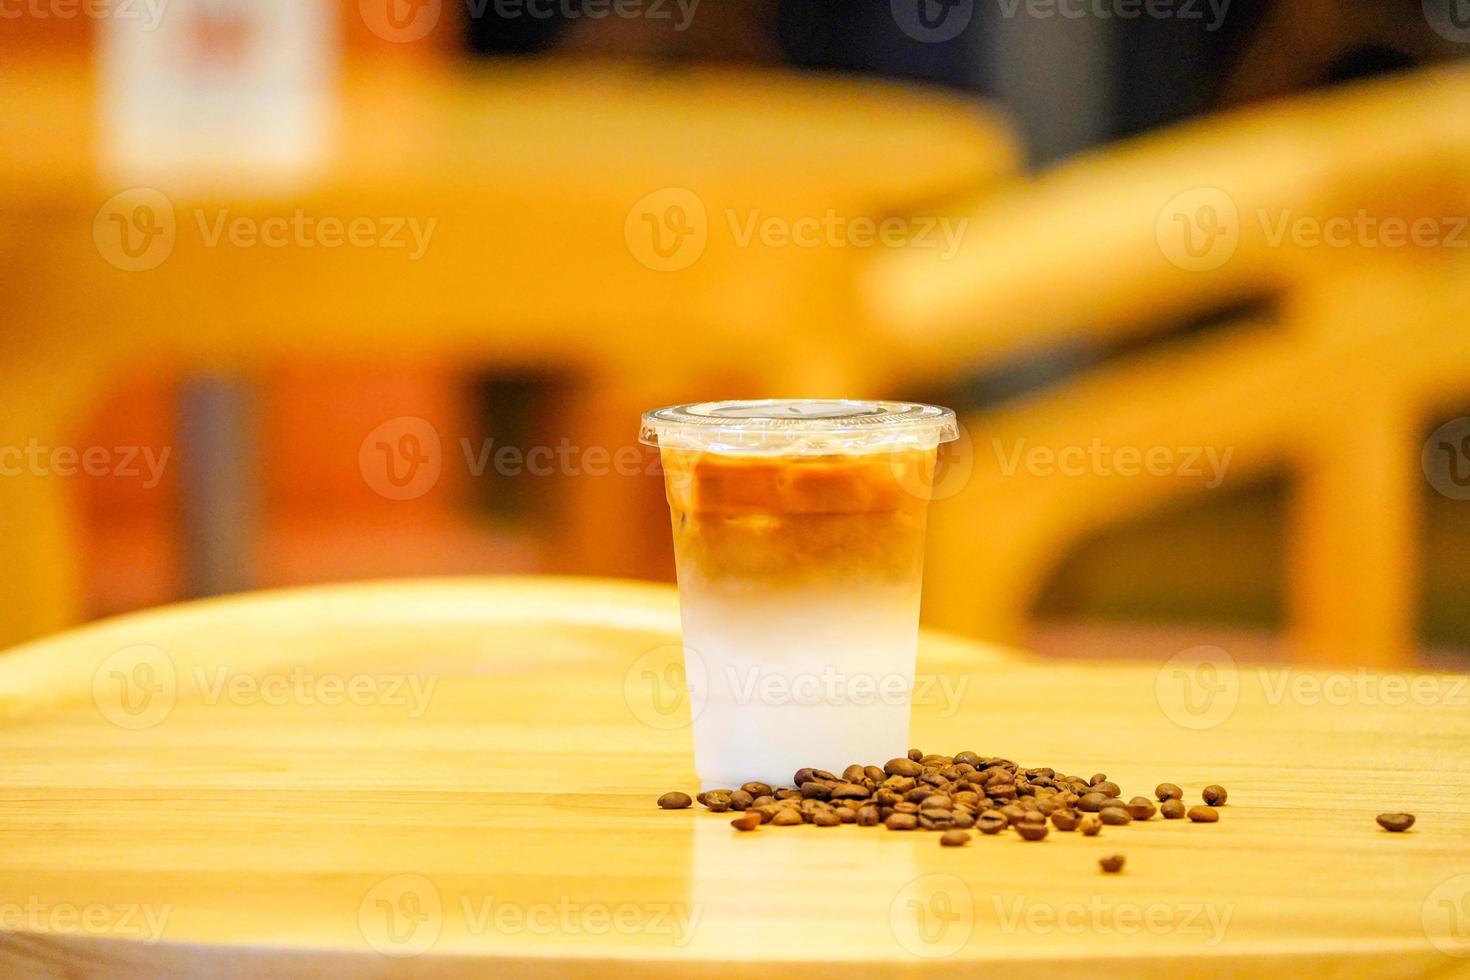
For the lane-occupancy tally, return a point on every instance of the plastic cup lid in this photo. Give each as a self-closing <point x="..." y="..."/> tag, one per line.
<point x="804" y="425"/>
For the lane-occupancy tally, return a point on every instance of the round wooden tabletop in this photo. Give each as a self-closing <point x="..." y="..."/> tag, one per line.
<point x="458" y="778"/>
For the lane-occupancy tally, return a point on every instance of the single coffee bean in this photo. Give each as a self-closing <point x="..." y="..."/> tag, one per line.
<point x="936" y="819"/>
<point x="1172" y="808"/>
<point x="815" y="790"/>
<point x="919" y="794"/>
<point x="936" y="801"/>
<point x="1100" y="777"/>
<point x="845" y="814"/>
<point x="675" y="801"/>
<point x="1065" y="820"/>
<point x="1396" y="823"/>
<point x="1092" y="802"/>
<point x="1031" y="831"/>
<point x="741" y="800"/>
<point x="804" y="775"/>
<point x="853" y="774"/>
<point x="992" y="822"/>
<point x="786" y="817"/>
<point x="1090" y="824"/>
<point x="915" y="755"/>
<point x="968" y="758"/>
<point x="717" y="802"/>
<point x="1114" y="816"/>
<point x="757" y="790"/>
<point x="902" y="767"/>
<point x="906" y="807"/>
<point x="848" y="791"/>
<point x="1013" y="812"/>
<point x="1204" y="814"/>
<point x="787" y="793"/>
<point x="901" y="821"/>
<point x="874" y="773"/>
<point x="824" y="775"/>
<point x="1140" y="808"/>
<point x="746" y="821"/>
<point x="1168" y="791"/>
<point x="826" y="818"/>
<point x="1110" y="788"/>
<point x="954" y="838"/>
<point x="963" y="820"/>
<point x="867" y="816"/>
<point x="1215" y="795"/>
<point x="1112" y="864"/>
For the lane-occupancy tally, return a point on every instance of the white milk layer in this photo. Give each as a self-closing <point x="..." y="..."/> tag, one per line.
<point x="786" y="677"/>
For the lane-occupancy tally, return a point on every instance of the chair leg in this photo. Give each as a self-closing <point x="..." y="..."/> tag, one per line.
<point x="1356" y="525"/>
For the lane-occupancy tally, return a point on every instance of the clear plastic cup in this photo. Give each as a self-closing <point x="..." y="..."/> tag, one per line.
<point x="799" y="540"/>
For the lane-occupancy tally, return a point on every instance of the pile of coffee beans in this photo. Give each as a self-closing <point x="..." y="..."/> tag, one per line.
<point x="952" y="795"/>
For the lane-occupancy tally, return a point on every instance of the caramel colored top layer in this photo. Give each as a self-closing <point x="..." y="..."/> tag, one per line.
<point x="714" y="483"/>
<point x="799" y="519"/>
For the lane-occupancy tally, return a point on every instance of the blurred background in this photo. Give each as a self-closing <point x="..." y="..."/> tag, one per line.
<point x="301" y="291"/>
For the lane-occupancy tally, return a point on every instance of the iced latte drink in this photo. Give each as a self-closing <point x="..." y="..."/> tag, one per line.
<point x="799" y="540"/>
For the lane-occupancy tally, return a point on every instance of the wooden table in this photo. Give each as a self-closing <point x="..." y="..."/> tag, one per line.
<point x="499" y="819"/>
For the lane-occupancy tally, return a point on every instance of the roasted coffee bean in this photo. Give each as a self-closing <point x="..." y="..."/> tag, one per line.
<point x="814" y="789"/>
<point x="1172" y="809"/>
<point x="1090" y="824"/>
<point x="1100" y="777"/>
<point x="1114" y="816"/>
<point x="874" y="773"/>
<point x="762" y="800"/>
<point x="1204" y="814"/>
<point x="868" y="816"/>
<point x="786" y="817"/>
<point x="1013" y="812"/>
<point x="936" y="801"/>
<point x="901" y="821"/>
<point x="767" y="811"/>
<point x="915" y="755"/>
<point x="1112" y="864"/>
<point x="757" y="790"/>
<point x="846" y="814"/>
<point x="1140" y="808"/>
<point x="954" y="838"/>
<point x="675" y="801"/>
<point x="992" y="822"/>
<point x="741" y="800"/>
<point x="900" y="784"/>
<point x="824" y="775"/>
<point x="936" y="819"/>
<point x="1168" y="791"/>
<point x="853" y="774"/>
<point x="746" y="821"/>
<point x="1092" y="802"/>
<point x="717" y="802"/>
<point x="1111" y="789"/>
<point x="967" y="758"/>
<point x="826" y="818"/>
<point x="1215" y="795"/>
<point x="787" y="793"/>
<point x="804" y="775"/>
<point x="1396" y="823"/>
<point x="963" y="820"/>
<point x="906" y="807"/>
<point x="902" y="767"/>
<point x="849" y="791"/>
<point x="1031" y="831"/>
<point x="919" y="794"/>
<point x="1065" y="820"/>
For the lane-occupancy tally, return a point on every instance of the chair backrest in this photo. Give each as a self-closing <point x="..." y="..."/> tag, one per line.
<point x="1343" y="217"/>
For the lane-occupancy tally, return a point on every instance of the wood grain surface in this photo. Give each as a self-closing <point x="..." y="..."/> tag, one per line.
<point x="458" y="778"/>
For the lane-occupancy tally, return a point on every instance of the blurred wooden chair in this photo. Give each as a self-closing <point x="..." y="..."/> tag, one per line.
<point x="1335" y="375"/>
<point x="545" y="182"/>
